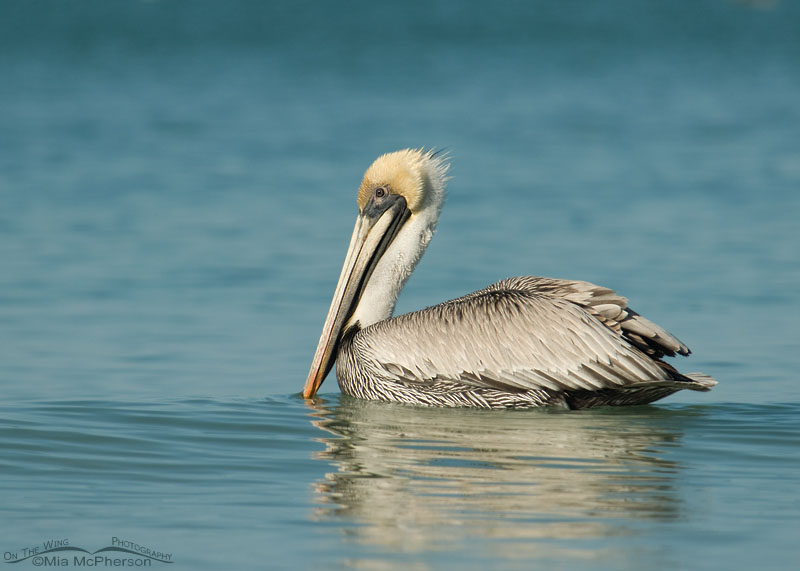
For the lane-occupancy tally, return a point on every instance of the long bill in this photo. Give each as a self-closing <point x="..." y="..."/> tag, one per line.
<point x="374" y="231"/>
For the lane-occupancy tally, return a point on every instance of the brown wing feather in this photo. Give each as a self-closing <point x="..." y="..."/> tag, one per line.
<point x="520" y="334"/>
<point x="610" y="309"/>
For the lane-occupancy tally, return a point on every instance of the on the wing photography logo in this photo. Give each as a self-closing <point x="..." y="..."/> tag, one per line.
<point x="59" y="553"/>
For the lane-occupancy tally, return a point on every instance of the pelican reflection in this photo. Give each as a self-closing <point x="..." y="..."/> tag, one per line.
<point x="416" y="478"/>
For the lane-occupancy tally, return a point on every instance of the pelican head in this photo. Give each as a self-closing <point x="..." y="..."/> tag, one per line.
<point x="399" y="201"/>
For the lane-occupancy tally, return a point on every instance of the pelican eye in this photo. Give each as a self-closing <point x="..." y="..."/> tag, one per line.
<point x="380" y="192"/>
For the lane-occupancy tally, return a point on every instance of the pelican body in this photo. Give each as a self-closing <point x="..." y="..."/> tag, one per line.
<point x="521" y="342"/>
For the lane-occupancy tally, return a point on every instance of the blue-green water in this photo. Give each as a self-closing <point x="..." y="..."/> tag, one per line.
<point x="177" y="188"/>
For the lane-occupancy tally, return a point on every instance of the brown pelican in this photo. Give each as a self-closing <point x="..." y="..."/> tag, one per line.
<point x="521" y="342"/>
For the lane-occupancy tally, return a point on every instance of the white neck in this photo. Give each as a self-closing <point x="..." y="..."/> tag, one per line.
<point x="394" y="268"/>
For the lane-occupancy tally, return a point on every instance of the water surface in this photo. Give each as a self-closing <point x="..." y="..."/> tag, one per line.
<point x="343" y="483"/>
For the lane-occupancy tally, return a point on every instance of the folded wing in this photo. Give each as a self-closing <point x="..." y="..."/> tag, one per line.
<point x="523" y="334"/>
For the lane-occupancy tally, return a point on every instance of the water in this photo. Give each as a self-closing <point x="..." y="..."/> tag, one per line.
<point x="177" y="186"/>
<point x="275" y="483"/>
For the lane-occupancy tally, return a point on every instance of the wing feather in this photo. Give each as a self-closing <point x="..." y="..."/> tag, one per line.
<point x="522" y="334"/>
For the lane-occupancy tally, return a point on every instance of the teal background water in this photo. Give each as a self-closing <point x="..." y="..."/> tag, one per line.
<point x="177" y="188"/>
